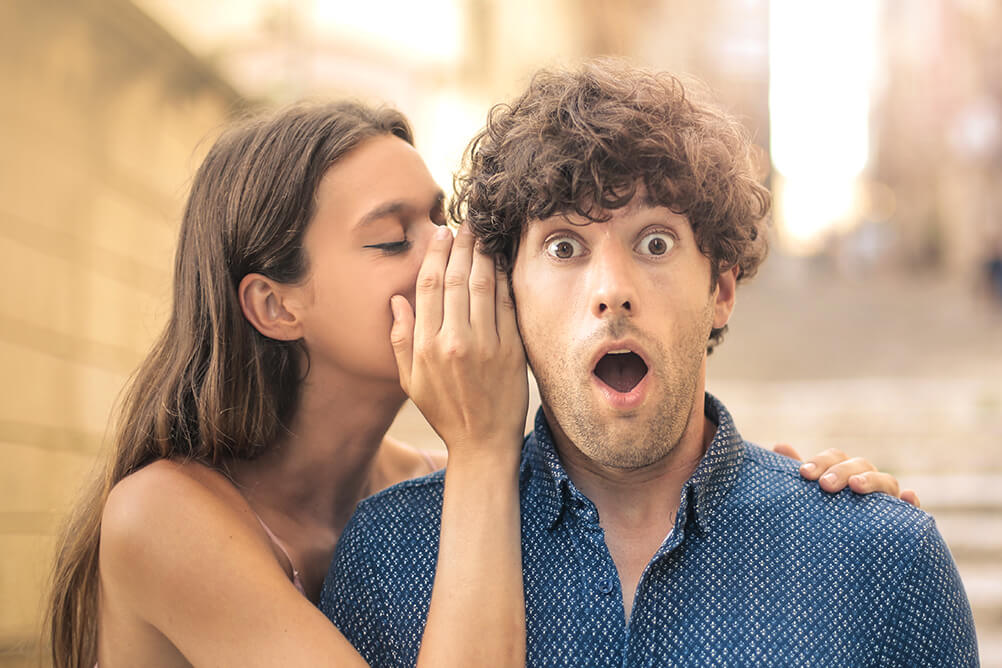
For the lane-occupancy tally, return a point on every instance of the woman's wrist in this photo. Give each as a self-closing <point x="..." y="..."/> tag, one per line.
<point x="492" y="454"/>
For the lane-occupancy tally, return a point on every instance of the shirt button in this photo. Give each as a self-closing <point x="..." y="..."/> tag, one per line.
<point x="605" y="585"/>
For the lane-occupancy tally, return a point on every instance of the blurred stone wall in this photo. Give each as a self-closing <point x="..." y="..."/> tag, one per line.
<point x="937" y="122"/>
<point x="101" y="116"/>
<point x="722" y="43"/>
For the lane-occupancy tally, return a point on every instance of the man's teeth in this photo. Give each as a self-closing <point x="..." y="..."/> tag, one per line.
<point x="619" y="352"/>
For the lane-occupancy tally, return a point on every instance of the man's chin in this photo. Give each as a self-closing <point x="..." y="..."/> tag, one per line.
<point x="623" y="443"/>
<point x="627" y="461"/>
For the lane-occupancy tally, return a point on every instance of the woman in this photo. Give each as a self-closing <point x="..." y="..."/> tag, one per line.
<point x="259" y="419"/>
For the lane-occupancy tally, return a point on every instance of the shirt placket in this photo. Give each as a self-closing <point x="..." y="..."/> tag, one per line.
<point x="639" y="642"/>
<point x="603" y="639"/>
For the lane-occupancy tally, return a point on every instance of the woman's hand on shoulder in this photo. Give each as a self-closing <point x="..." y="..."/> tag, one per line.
<point x="459" y="356"/>
<point x="834" y="470"/>
<point x="183" y="558"/>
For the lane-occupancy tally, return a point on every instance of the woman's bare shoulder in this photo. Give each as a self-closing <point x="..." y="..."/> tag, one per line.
<point x="169" y="514"/>
<point x="400" y="461"/>
<point x="165" y="489"/>
<point x="183" y="553"/>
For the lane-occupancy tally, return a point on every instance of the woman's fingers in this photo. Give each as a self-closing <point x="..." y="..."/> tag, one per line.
<point x="467" y="371"/>
<point x="874" y="481"/>
<point x="787" y="450"/>
<point x="818" y="464"/>
<point x="837" y="476"/>
<point x="910" y="496"/>
<point x="428" y="291"/>
<point x="482" y="301"/>
<point x="505" y="312"/>
<point x="834" y="470"/>
<point x="402" y="338"/>
<point x="456" y="316"/>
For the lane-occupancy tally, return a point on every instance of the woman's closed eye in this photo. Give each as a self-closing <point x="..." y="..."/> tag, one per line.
<point x="392" y="247"/>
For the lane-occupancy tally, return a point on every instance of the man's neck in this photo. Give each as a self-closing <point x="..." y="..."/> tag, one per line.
<point x="639" y="497"/>
<point x="637" y="507"/>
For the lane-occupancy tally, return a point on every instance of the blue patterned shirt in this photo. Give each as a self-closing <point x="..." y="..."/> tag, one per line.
<point x="761" y="568"/>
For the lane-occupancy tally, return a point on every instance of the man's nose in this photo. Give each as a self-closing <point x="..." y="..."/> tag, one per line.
<point x="613" y="288"/>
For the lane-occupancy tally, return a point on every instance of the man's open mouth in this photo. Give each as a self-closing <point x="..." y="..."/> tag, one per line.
<point x="621" y="371"/>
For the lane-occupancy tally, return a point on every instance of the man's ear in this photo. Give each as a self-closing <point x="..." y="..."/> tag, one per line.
<point x="727" y="284"/>
<point x="266" y="307"/>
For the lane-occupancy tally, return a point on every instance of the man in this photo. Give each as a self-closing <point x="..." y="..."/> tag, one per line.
<point x="652" y="534"/>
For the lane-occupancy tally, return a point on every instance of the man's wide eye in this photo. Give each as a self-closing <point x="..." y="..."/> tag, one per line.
<point x="656" y="243"/>
<point x="563" y="248"/>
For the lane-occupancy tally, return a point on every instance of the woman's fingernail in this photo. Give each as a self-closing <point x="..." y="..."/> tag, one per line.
<point x="808" y="467"/>
<point x="442" y="232"/>
<point x="829" y="478"/>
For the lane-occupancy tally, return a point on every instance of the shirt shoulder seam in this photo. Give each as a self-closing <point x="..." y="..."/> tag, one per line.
<point x="915" y="548"/>
<point x="432" y="480"/>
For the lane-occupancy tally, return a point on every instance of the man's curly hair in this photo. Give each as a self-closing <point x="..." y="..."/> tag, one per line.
<point x="582" y="142"/>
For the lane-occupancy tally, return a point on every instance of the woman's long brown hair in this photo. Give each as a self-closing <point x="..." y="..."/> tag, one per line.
<point x="212" y="388"/>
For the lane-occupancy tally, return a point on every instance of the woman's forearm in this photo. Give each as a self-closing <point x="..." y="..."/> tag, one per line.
<point x="461" y="361"/>
<point x="477" y="613"/>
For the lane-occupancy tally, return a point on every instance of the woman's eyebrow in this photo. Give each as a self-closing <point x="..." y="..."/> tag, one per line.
<point x="392" y="208"/>
<point x="398" y="207"/>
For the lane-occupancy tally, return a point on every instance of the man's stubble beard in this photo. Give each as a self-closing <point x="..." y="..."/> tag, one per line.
<point x="640" y="440"/>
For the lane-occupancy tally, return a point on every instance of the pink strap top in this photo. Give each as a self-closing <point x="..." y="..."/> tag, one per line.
<point x="428" y="460"/>
<point x="296" y="581"/>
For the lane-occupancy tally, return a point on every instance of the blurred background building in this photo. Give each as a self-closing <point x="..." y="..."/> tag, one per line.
<point x="874" y="327"/>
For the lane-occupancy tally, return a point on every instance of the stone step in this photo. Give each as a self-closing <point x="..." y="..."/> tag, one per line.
<point x="973" y="536"/>
<point x="956" y="491"/>
<point x="983" y="583"/>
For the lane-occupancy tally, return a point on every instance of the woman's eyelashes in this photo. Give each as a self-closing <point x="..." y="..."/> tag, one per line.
<point x="392" y="247"/>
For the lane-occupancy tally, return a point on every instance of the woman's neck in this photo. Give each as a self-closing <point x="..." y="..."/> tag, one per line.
<point x="318" y="471"/>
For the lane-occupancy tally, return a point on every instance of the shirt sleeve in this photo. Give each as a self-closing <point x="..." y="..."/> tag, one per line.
<point x="930" y="622"/>
<point x="351" y="596"/>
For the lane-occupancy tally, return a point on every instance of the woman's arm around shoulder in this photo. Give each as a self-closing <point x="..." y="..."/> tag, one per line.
<point x="461" y="361"/>
<point x="183" y="566"/>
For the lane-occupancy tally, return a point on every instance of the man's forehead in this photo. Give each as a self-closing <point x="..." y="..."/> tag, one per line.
<point x="640" y="202"/>
<point x="640" y="198"/>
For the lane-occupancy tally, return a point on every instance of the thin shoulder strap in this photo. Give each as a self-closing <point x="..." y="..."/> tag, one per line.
<point x="281" y="546"/>
<point x="428" y="460"/>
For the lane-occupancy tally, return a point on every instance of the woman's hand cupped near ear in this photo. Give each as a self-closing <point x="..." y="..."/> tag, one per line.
<point x="459" y="355"/>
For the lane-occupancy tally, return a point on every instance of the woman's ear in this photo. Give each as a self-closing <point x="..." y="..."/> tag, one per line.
<point x="265" y="305"/>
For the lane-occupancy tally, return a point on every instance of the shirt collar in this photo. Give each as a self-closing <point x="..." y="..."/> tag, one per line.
<point x="550" y="487"/>
<point x="551" y="491"/>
